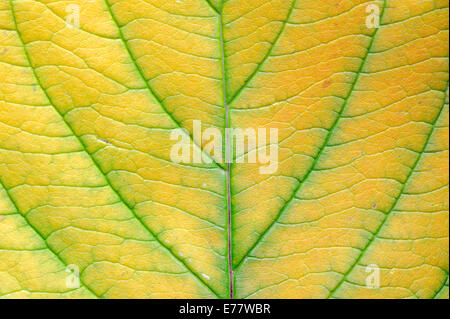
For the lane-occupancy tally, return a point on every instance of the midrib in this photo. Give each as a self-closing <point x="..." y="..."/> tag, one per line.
<point x="228" y="156"/>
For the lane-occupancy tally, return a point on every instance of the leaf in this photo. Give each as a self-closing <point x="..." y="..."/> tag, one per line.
<point x="88" y="184"/>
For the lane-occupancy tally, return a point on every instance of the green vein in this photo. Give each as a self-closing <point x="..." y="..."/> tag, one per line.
<point x="439" y="291"/>
<point x="149" y="88"/>
<point x="227" y="144"/>
<point x="176" y="258"/>
<point x="394" y="205"/>
<point x="322" y="148"/>
<point x="44" y="240"/>
<point x="386" y="216"/>
<point x="208" y="2"/>
<point x="269" y="53"/>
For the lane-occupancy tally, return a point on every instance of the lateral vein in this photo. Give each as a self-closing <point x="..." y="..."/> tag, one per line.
<point x="139" y="219"/>
<point x="394" y="205"/>
<point x="150" y="89"/>
<point x="321" y="150"/>
<point x="269" y="53"/>
<point x="44" y="240"/>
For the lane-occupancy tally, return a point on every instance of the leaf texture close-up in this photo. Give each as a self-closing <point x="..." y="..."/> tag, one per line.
<point x="93" y="204"/>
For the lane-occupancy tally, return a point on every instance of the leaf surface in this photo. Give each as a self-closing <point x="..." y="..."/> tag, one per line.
<point x="86" y="176"/>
